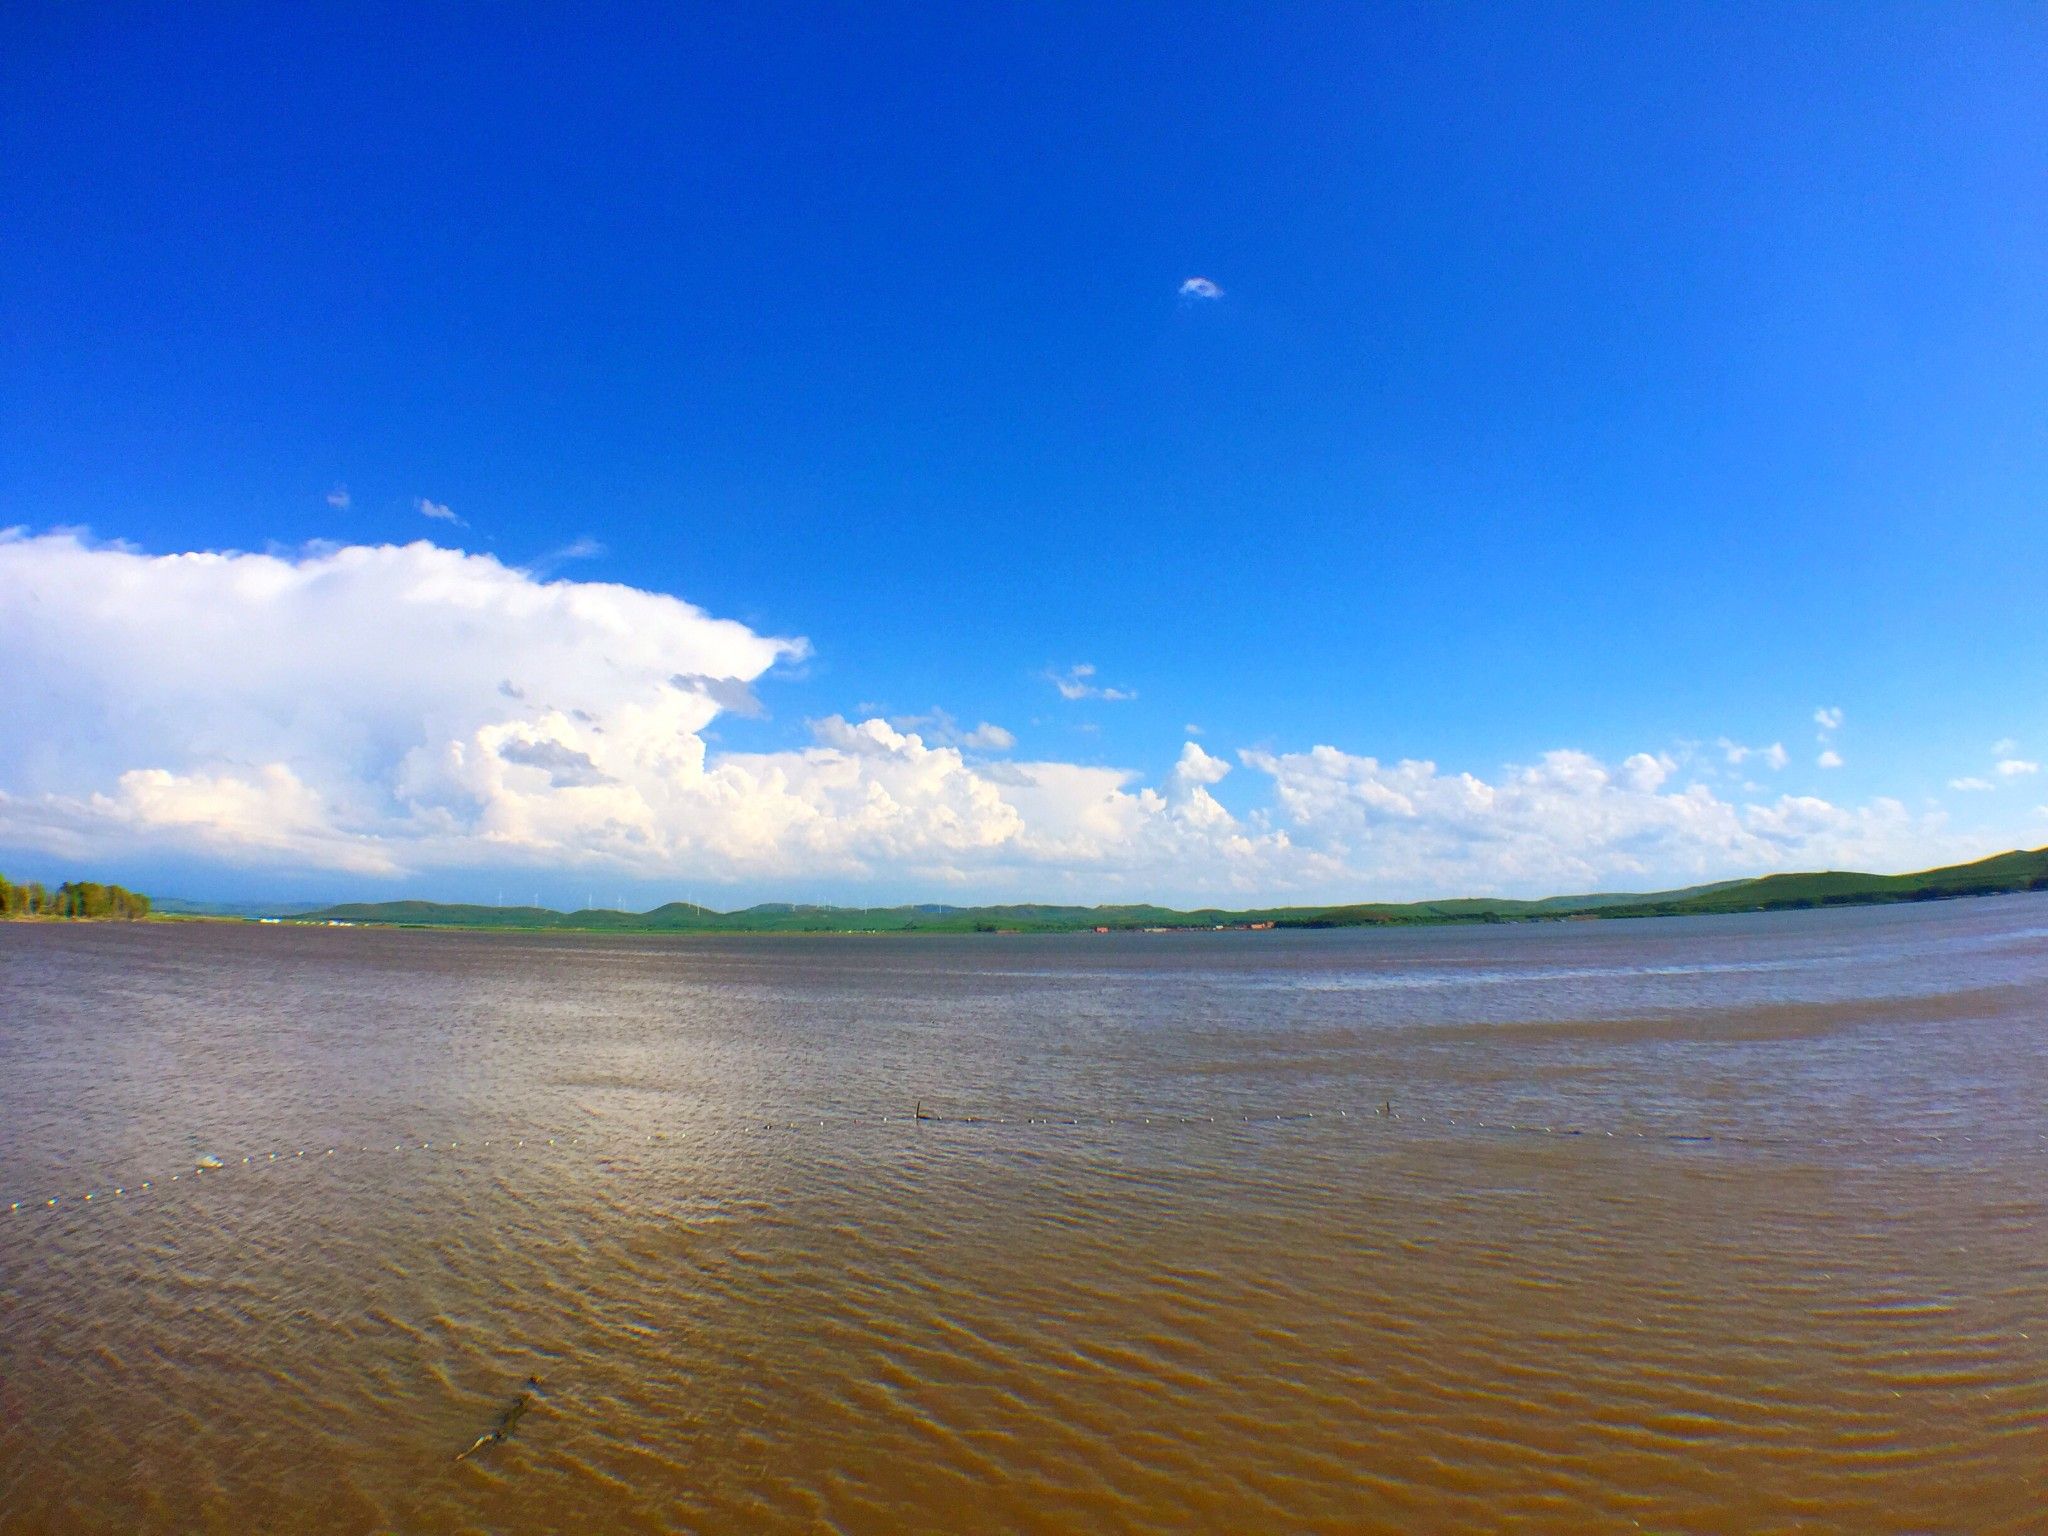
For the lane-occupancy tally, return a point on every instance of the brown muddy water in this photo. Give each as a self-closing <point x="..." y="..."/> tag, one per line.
<point x="1698" y="1225"/>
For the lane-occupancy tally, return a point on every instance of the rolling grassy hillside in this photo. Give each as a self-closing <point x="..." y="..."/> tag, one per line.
<point x="2016" y="871"/>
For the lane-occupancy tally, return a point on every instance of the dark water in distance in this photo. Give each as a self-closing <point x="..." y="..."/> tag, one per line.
<point x="1725" y="1224"/>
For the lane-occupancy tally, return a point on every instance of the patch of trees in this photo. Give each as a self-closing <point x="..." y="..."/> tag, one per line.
<point x="74" y="898"/>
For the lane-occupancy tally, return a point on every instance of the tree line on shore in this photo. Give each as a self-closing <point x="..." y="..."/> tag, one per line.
<point x="74" y="898"/>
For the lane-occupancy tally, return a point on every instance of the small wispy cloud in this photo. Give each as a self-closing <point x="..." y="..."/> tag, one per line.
<point x="1773" y="756"/>
<point x="439" y="511"/>
<point x="988" y="738"/>
<point x="584" y="548"/>
<point x="1074" y="684"/>
<point x="1972" y="783"/>
<point x="1200" y="288"/>
<point x="1191" y="729"/>
<point x="2015" y="767"/>
<point x="1829" y="718"/>
<point x="2005" y="746"/>
<point x="338" y="498"/>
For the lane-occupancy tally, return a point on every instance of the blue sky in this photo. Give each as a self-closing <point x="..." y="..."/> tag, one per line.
<point x="1600" y="383"/>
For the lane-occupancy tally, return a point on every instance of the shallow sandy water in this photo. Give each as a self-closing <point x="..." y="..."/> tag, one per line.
<point x="1709" y="1224"/>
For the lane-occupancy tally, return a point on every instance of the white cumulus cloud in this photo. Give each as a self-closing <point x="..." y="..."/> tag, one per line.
<point x="2015" y="767"/>
<point x="1567" y="822"/>
<point x="385" y="711"/>
<point x="1828" y="718"/>
<point x="1829" y="758"/>
<point x="1200" y="288"/>
<point x="1197" y="767"/>
<point x="401" y="697"/>
<point x="439" y="511"/>
<point x="1645" y="773"/>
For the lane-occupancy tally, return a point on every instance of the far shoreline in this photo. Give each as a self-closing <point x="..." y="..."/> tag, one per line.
<point x="2016" y="872"/>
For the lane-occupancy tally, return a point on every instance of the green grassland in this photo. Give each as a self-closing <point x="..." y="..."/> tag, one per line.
<point x="2005" y="872"/>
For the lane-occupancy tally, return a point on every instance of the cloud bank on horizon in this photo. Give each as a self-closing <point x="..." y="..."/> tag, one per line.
<point x="403" y="710"/>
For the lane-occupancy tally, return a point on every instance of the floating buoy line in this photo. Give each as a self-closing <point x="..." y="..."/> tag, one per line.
<point x="1384" y="1115"/>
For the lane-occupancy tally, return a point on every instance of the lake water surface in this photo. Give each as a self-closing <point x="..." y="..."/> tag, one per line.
<point x="1720" y="1224"/>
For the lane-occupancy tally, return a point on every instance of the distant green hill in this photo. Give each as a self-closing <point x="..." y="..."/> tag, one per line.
<point x="769" y="917"/>
<point x="2017" y="871"/>
<point x="179" y="906"/>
